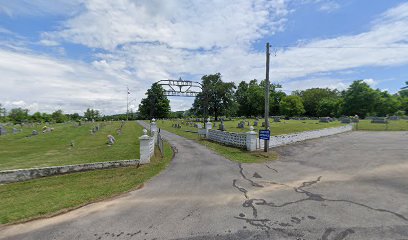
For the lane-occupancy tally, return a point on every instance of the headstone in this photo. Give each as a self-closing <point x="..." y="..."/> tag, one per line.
<point x="324" y="119"/>
<point x="346" y="120"/>
<point x="379" y="120"/>
<point x="111" y="140"/>
<point x="355" y="120"/>
<point x="15" y="131"/>
<point x="34" y="133"/>
<point x="248" y="123"/>
<point x="222" y="127"/>
<point x="199" y="125"/>
<point x="394" y="118"/>
<point x="256" y="123"/>
<point x="276" y="119"/>
<point x="3" y="130"/>
<point x="241" y="124"/>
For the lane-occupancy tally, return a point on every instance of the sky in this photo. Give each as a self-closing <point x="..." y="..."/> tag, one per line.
<point x="79" y="54"/>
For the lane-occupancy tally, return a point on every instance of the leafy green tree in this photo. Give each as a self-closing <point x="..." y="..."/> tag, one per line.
<point x="156" y="104"/>
<point x="386" y="104"/>
<point x="74" y="116"/>
<point x="46" y="117"/>
<point x="92" y="114"/>
<point x="312" y="97"/>
<point x="328" y="107"/>
<point x="2" y="113"/>
<point x="37" y="117"/>
<point x="18" y="115"/>
<point x="360" y="99"/>
<point x="251" y="97"/>
<point x="217" y="96"/>
<point x="58" y="116"/>
<point x="292" y="106"/>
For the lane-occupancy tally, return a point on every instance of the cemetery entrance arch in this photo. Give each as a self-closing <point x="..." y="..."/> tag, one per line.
<point x="183" y="88"/>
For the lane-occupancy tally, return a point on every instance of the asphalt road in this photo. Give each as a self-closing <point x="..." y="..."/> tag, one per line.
<point x="348" y="186"/>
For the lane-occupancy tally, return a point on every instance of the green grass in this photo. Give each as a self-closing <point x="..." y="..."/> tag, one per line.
<point x="54" y="148"/>
<point x="52" y="195"/>
<point x="234" y="154"/>
<point x="366" y="125"/>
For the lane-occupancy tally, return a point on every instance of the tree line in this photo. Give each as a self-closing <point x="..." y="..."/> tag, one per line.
<point x="219" y="98"/>
<point x="21" y="115"/>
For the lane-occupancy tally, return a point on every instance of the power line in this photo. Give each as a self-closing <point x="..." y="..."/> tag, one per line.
<point x="344" y="47"/>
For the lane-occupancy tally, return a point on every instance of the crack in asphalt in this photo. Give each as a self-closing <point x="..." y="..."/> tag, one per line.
<point x="241" y="189"/>
<point x="241" y="171"/>
<point x="271" y="168"/>
<point x="264" y="224"/>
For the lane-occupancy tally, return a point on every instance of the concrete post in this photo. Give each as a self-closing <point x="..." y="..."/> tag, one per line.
<point x="251" y="140"/>
<point x="144" y="148"/>
<point x="208" y="126"/>
<point x="153" y="126"/>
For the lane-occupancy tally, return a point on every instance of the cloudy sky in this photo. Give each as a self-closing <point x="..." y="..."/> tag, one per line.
<point x="75" y="54"/>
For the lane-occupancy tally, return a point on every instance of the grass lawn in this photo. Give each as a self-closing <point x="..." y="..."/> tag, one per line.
<point x="22" y="150"/>
<point x="284" y="127"/>
<point x="399" y="125"/>
<point x="51" y="195"/>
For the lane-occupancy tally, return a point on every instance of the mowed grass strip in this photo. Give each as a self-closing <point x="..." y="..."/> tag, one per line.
<point x="52" y="195"/>
<point x="398" y="125"/>
<point x="23" y="150"/>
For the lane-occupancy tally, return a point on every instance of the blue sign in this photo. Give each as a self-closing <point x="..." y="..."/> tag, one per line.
<point x="264" y="134"/>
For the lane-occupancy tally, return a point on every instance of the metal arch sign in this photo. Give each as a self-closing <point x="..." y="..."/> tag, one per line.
<point x="264" y="134"/>
<point x="181" y="88"/>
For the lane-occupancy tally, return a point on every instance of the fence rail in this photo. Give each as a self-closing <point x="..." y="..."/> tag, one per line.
<point x="160" y="144"/>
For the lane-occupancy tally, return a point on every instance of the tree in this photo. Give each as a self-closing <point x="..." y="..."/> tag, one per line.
<point x="58" y="116"/>
<point x="216" y="96"/>
<point x="251" y="98"/>
<point x="37" y="117"/>
<point x="328" y="107"/>
<point x="2" y="112"/>
<point x="387" y="104"/>
<point x="360" y="99"/>
<point x="292" y="106"/>
<point x="92" y="114"/>
<point x="156" y="104"/>
<point x="18" y="115"/>
<point x="312" y="97"/>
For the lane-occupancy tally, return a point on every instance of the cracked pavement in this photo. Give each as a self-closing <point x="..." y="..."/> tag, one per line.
<point x="347" y="186"/>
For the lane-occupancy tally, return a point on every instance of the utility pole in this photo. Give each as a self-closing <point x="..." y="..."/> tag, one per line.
<point x="266" y="146"/>
<point x="127" y="103"/>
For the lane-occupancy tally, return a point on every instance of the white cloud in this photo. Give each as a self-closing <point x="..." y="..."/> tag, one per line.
<point x="370" y="82"/>
<point x="140" y="42"/>
<point x="384" y="45"/>
<point x="39" y="7"/>
<point x="185" y="24"/>
<point x="47" y="84"/>
<point x="329" y="6"/>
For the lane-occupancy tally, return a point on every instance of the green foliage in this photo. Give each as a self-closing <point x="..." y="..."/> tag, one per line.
<point x="292" y="106"/>
<point x="18" y="115"/>
<point x="312" y="98"/>
<point x="360" y="99"/>
<point x="386" y="104"/>
<point x="251" y="98"/>
<point x="92" y="114"/>
<point x="328" y="107"/>
<point x="156" y="104"/>
<point x="58" y="116"/>
<point x="217" y="97"/>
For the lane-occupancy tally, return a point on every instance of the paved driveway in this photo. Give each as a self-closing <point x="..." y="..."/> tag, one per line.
<point x="348" y="186"/>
